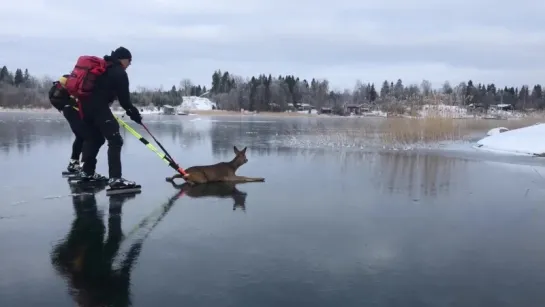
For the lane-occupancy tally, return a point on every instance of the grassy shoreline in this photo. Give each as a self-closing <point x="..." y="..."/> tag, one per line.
<point x="389" y="130"/>
<point x="438" y="129"/>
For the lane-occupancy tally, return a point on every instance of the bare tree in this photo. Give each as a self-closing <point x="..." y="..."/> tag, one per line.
<point x="185" y="87"/>
<point x="426" y="88"/>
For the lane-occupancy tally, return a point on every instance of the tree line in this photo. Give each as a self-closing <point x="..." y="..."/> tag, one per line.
<point x="267" y="93"/>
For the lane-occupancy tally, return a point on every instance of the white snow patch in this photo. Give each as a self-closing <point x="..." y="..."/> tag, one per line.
<point x="195" y="103"/>
<point x="312" y="112"/>
<point x="376" y="113"/>
<point x="498" y="130"/>
<point x="143" y="111"/>
<point x="504" y="114"/>
<point x="441" y="110"/>
<point x="151" y="111"/>
<point x="523" y="141"/>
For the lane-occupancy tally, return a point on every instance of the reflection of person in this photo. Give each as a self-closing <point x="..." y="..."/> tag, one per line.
<point x="85" y="260"/>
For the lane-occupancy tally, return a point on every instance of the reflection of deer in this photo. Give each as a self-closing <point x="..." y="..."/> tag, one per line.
<point x="86" y="260"/>
<point x="215" y="189"/>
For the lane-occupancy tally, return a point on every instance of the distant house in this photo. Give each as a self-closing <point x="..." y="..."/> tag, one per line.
<point x="274" y="107"/>
<point x="168" y="110"/>
<point x="366" y="107"/>
<point x="304" y="107"/>
<point x="325" y="110"/>
<point x="358" y="109"/>
<point x="476" y="108"/>
<point x="501" y="107"/>
<point x="353" y="109"/>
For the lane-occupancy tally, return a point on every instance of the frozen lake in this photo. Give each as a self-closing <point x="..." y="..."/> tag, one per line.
<point x="333" y="225"/>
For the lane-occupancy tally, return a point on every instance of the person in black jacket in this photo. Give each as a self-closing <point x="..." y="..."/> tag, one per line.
<point x="64" y="103"/>
<point x="114" y="83"/>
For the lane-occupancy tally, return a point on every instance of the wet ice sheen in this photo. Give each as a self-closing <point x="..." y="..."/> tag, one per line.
<point x="329" y="227"/>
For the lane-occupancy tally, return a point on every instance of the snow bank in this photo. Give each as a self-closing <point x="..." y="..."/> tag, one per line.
<point x="195" y="103"/>
<point x="312" y="112"/>
<point x="151" y="111"/>
<point x="524" y="141"/>
<point x="370" y="114"/>
<point x="496" y="131"/>
<point x="504" y="114"/>
<point x="449" y="111"/>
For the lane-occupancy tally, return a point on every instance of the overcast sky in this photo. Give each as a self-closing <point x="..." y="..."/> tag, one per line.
<point x="342" y="40"/>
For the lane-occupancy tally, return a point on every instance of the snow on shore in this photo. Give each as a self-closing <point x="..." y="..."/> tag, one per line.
<point x="190" y="103"/>
<point x="195" y="103"/>
<point x="496" y="131"/>
<point x="443" y="111"/>
<point x="523" y="141"/>
<point x="448" y="111"/>
<point x="143" y="111"/>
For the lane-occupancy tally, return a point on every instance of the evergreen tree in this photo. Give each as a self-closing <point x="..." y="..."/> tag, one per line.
<point x="19" y="78"/>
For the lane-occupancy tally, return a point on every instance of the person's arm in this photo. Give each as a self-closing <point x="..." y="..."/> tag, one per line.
<point x="122" y="90"/>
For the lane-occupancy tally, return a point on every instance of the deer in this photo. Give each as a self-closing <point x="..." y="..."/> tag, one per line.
<point x="219" y="172"/>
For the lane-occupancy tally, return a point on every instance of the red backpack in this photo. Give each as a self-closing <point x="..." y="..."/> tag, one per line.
<point x="81" y="81"/>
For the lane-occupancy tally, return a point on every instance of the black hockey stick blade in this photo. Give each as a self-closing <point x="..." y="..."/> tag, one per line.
<point x="69" y="174"/>
<point x="137" y="189"/>
<point x="79" y="181"/>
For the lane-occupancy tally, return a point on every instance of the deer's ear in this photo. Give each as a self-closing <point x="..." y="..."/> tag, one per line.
<point x="235" y="149"/>
<point x="244" y="150"/>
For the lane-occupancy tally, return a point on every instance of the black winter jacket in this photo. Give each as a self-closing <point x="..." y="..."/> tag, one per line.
<point x="114" y="83"/>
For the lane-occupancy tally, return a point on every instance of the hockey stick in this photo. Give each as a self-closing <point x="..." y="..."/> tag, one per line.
<point x="160" y="145"/>
<point x="164" y="156"/>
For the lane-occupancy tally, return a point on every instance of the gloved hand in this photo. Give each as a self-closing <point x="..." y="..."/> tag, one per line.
<point x="134" y="114"/>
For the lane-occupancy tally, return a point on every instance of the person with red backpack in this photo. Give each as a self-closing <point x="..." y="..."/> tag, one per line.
<point x="97" y="82"/>
<point x="61" y="100"/>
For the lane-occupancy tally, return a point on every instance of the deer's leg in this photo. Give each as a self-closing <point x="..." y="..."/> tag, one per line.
<point x="247" y="179"/>
<point x="171" y="179"/>
<point x="177" y="185"/>
<point x="176" y="176"/>
<point x="195" y="178"/>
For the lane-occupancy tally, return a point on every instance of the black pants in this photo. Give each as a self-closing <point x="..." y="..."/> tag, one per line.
<point x="101" y="124"/>
<point x="78" y="128"/>
<point x="60" y="99"/>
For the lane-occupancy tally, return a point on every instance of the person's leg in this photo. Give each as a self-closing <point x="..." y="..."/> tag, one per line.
<point x="93" y="141"/>
<point x="91" y="146"/>
<point x="77" y="148"/>
<point x="74" y="165"/>
<point x="110" y="130"/>
<point x="77" y="127"/>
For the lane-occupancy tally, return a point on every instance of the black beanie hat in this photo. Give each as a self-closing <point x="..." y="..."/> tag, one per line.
<point x="122" y="53"/>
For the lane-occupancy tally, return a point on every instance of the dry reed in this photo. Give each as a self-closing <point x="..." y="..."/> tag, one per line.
<point x="437" y="129"/>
